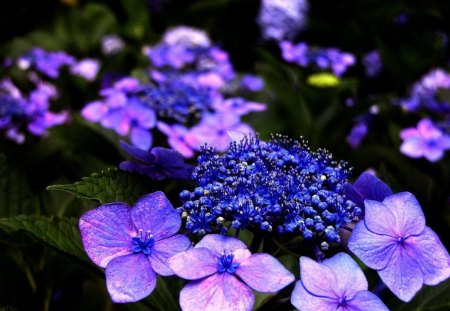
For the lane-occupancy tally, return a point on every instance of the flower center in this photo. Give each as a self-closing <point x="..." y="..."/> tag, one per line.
<point x="143" y="242"/>
<point x="401" y="240"/>
<point x="225" y="263"/>
<point x="343" y="302"/>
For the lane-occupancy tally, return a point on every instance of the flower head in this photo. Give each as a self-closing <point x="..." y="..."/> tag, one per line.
<point x="394" y="240"/>
<point x="424" y="141"/>
<point x="278" y="185"/>
<point x="372" y="63"/>
<point x="158" y="163"/>
<point x="215" y="264"/>
<point x="337" y="283"/>
<point x="133" y="244"/>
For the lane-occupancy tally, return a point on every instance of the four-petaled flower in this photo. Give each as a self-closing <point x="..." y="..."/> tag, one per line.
<point x="133" y="244"/>
<point x="426" y="141"/>
<point x="394" y="240"/>
<point x="336" y="284"/>
<point x="213" y="265"/>
<point x="158" y="163"/>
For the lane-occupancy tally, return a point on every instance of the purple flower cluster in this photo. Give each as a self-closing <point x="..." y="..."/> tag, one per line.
<point x="50" y="63"/>
<point x="185" y="99"/>
<point x="372" y="63"/>
<point x="278" y="185"/>
<point x="323" y="58"/>
<point x="280" y="19"/>
<point x="424" y="94"/>
<point x="31" y="112"/>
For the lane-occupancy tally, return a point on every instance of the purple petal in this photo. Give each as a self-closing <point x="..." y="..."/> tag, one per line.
<point x="141" y="138"/>
<point x="350" y="278"/>
<point x="318" y="279"/>
<point x="94" y="111"/>
<point x="222" y="292"/>
<point x="220" y="243"/>
<point x="164" y="249"/>
<point x="305" y="301"/>
<point x="193" y="264"/>
<point x="369" y="187"/>
<point x="107" y="232"/>
<point x="167" y="157"/>
<point x="374" y="250"/>
<point x="432" y="257"/>
<point x="433" y="154"/>
<point x="412" y="147"/>
<point x="365" y="300"/>
<point x="137" y="153"/>
<point x="264" y="273"/>
<point x="379" y="219"/>
<point x="130" y="278"/>
<point x="402" y="275"/>
<point x="154" y="212"/>
<point x="408" y="214"/>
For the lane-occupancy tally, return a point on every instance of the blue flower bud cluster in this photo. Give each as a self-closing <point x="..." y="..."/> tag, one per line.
<point x="280" y="185"/>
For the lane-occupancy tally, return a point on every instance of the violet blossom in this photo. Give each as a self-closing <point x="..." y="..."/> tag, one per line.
<point x="394" y="240"/>
<point x="133" y="244"/>
<point x="335" y="284"/>
<point x="224" y="272"/>
<point x="158" y="163"/>
<point x="424" y="141"/>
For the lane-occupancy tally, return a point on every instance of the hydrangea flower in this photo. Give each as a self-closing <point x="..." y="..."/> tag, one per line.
<point x="31" y="112"/>
<point x="424" y="141"/>
<point x="367" y="187"/>
<point x="424" y="93"/>
<point x="223" y="272"/>
<point x="86" y="68"/>
<point x="252" y="83"/>
<point x="394" y="240"/>
<point x="358" y="132"/>
<point x="48" y="63"/>
<point x="372" y="63"/>
<point x="278" y="185"/>
<point x="280" y="19"/>
<point x="323" y="58"/>
<point x="335" y="284"/>
<point x="133" y="244"/>
<point x="158" y="163"/>
<point x="112" y="44"/>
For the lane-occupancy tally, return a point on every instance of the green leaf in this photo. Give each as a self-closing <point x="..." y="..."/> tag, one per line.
<point x="109" y="186"/>
<point x="60" y="233"/>
<point x="430" y="298"/>
<point x="15" y="192"/>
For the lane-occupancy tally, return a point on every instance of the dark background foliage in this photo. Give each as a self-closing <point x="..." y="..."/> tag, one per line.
<point x="36" y="275"/>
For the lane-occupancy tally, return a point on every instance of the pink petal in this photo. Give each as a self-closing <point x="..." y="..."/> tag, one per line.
<point x="365" y="300"/>
<point x="107" y="232"/>
<point x="374" y="250"/>
<point x="408" y="133"/>
<point x="318" y="279"/>
<point x="193" y="264"/>
<point x="433" y="154"/>
<point x="305" y="301"/>
<point x="94" y="111"/>
<point x="222" y="292"/>
<point x="219" y="243"/>
<point x="264" y="273"/>
<point x="154" y="212"/>
<point x="408" y="214"/>
<point x="432" y="257"/>
<point x="427" y="129"/>
<point x="379" y="219"/>
<point x="402" y="275"/>
<point x="164" y="249"/>
<point x="350" y="278"/>
<point x="129" y="278"/>
<point x="412" y="147"/>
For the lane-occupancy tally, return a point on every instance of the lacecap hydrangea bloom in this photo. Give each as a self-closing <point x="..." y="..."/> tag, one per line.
<point x="224" y="272"/>
<point x="394" y="240"/>
<point x="280" y="186"/>
<point x="424" y="93"/>
<point x="426" y="141"/>
<point x="133" y="244"/>
<point x="335" y="284"/>
<point x="281" y="19"/>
